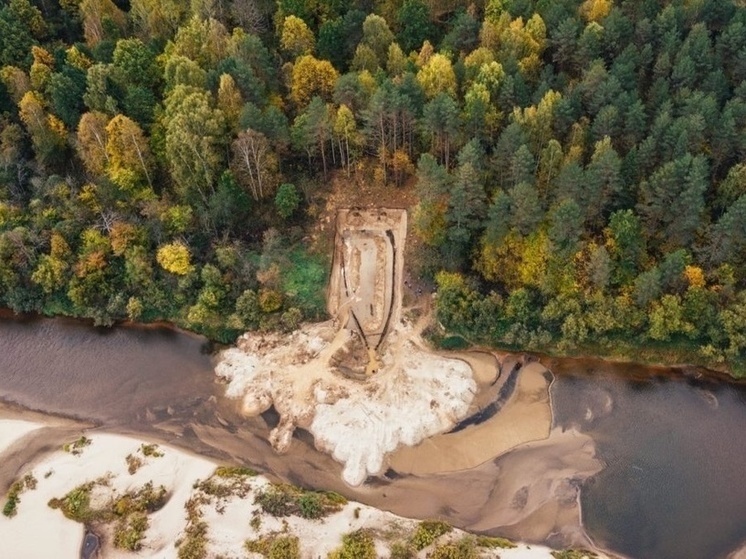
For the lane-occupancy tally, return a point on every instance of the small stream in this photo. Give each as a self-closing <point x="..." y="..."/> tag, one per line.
<point x="674" y="448"/>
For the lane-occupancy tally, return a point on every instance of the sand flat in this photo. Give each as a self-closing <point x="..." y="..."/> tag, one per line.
<point x="526" y="417"/>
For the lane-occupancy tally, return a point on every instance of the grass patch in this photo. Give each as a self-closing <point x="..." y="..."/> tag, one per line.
<point x="134" y="463"/>
<point x="304" y="278"/>
<point x="275" y="546"/>
<point x="130" y="511"/>
<point x="14" y="494"/>
<point x="402" y="550"/>
<point x="465" y="548"/>
<point x="150" y="450"/>
<point x="234" y="471"/>
<point x="492" y="542"/>
<point x="356" y="545"/>
<point x="76" y="505"/>
<point x="194" y="544"/>
<point x="285" y="500"/>
<point x="130" y="532"/>
<point x="76" y="447"/>
<point x="427" y="532"/>
<point x="574" y="554"/>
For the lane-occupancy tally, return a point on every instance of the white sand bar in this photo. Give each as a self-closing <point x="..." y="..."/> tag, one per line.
<point x="38" y="531"/>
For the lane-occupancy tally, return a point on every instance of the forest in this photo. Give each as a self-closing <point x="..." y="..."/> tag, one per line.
<point x="579" y="166"/>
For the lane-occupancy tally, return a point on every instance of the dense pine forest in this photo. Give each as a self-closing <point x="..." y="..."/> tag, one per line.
<point x="579" y="166"/>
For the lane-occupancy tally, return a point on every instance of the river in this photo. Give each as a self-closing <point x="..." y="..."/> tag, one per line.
<point x="674" y="448"/>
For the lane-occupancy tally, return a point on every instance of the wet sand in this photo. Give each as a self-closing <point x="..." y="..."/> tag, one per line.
<point x="161" y="385"/>
<point x="526" y="417"/>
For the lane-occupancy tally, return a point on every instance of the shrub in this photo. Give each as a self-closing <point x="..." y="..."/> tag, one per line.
<point x="402" y="550"/>
<point x="193" y="546"/>
<point x="76" y="447"/>
<point x="465" y="548"/>
<point x="310" y="505"/>
<point x="234" y="471"/>
<point x="286" y="500"/>
<point x="356" y="545"/>
<point x="492" y="542"/>
<point x="151" y="450"/>
<point x="76" y="504"/>
<point x="277" y="500"/>
<point x="18" y="487"/>
<point x="275" y="546"/>
<point x="195" y="543"/>
<point x="427" y="532"/>
<point x="130" y="532"/>
<point x="11" y="504"/>
<point x="574" y="554"/>
<point x="134" y="463"/>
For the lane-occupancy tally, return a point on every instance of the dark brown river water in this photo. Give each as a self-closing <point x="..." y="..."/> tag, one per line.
<point x="674" y="449"/>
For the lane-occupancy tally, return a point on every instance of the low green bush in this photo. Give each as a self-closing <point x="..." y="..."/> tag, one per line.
<point x="402" y="550"/>
<point x="286" y="500"/>
<point x="151" y="450"/>
<point x="278" y="500"/>
<point x="356" y="545"/>
<point x="427" y="532"/>
<point x="574" y="554"/>
<point x="465" y="548"/>
<point x="130" y="532"/>
<point x="234" y="471"/>
<point x="310" y="505"/>
<point x="275" y="546"/>
<point x="493" y="542"/>
<point x="11" y="505"/>
<point x="76" y="447"/>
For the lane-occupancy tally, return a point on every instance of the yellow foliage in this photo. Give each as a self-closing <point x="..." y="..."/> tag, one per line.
<point x="478" y="57"/>
<point x="437" y="76"/>
<point x="533" y="259"/>
<point x="430" y="222"/>
<point x="230" y="100"/>
<point x="128" y="150"/>
<point x="121" y="235"/>
<point x="269" y="300"/>
<point x="56" y="125"/>
<point x="39" y="74"/>
<point x="500" y="262"/>
<point x="77" y="59"/>
<point x="89" y="197"/>
<point x="595" y="10"/>
<point x="367" y="81"/>
<point x="449" y="281"/>
<point x="42" y="56"/>
<point x="174" y="258"/>
<point x="426" y="52"/>
<point x="93" y="240"/>
<point x="90" y="263"/>
<point x="296" y="39"/>
<point x="59" y="246"/>
<point x="311" y="77"/>
<point x="695" y="276"/>
<point x="16" y="81"/>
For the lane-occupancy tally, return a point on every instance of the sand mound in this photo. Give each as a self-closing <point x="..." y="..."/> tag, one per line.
<point x="415" y="395"/>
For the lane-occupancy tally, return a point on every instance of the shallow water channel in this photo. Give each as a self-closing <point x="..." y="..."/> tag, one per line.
<point x="674" y="448"/>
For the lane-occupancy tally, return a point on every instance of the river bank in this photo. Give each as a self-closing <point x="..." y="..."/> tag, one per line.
<point x="159" y="384"/>
<point x="37" y="447"/>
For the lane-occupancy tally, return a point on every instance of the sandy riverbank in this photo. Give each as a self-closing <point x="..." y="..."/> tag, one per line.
<point x="37" y="530"/>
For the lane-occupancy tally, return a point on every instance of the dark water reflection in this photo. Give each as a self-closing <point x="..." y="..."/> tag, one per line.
<point x="112" y="376"/>
<point x="675" y="449"/>
<point x="675" y="454"/>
